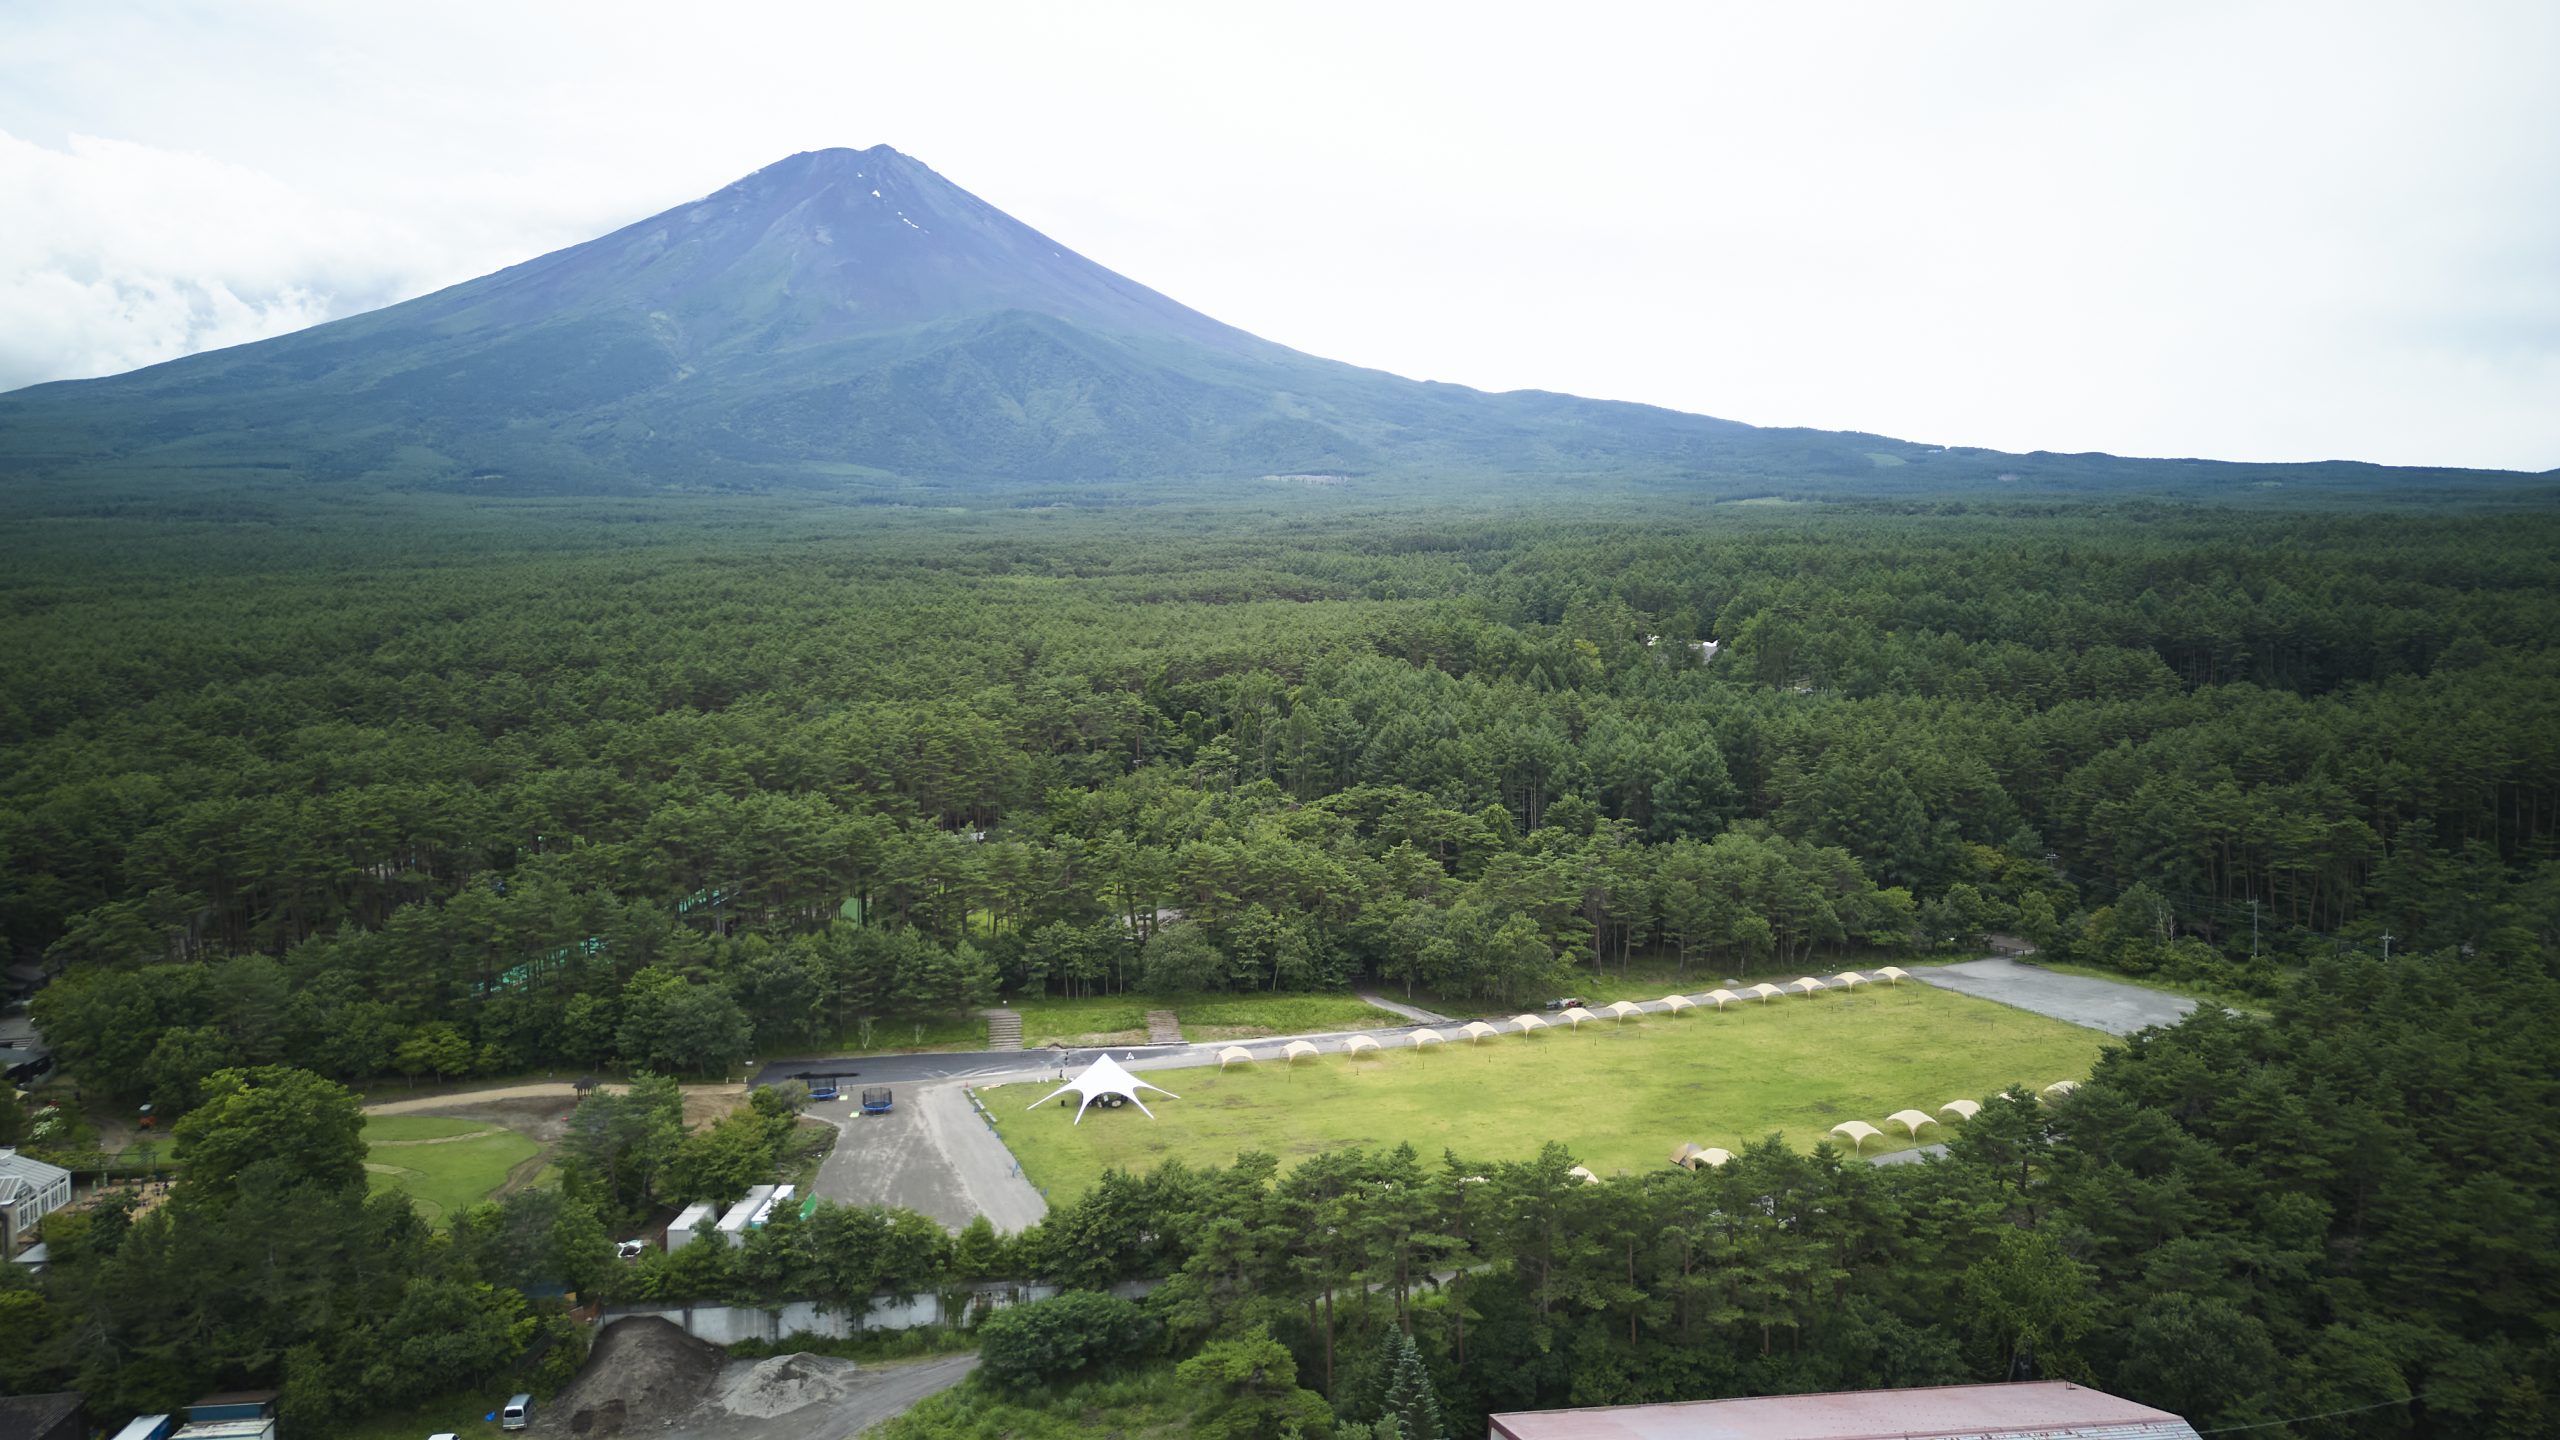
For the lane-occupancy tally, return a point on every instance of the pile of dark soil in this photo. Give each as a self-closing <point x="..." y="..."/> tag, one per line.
<point x="642" y="1373"/>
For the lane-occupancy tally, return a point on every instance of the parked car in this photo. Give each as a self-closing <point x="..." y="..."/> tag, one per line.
<point x="518" y="1414"/>
<point x="824" y="1090"/>
<point x="1567" y="1002"/>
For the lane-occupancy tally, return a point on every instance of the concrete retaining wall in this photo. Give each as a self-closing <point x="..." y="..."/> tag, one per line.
<point x="729" y="1324"/>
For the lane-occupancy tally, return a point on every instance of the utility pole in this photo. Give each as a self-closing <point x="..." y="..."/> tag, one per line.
<point x="2253" y="928"/>
<point x="2387" y="938"/>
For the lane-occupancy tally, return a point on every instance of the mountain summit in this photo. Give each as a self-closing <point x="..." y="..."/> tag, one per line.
<point x="850" y="318"/>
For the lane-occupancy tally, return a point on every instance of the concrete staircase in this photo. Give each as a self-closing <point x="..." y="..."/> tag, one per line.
<point x="1004" y="1029"/>
<point x="1162" y="1028"/>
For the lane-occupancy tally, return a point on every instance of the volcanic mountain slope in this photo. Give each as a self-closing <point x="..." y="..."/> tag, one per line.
<point x="852" y="317"/>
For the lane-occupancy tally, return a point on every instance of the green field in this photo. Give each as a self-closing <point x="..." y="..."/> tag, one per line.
<point x="445" y="1164"/>
<point x="1620" y="1097"/>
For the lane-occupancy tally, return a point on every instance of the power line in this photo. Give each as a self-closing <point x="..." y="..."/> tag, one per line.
<point x="2323" y="1415"/>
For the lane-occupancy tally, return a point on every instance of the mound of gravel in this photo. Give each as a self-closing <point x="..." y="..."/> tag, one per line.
<point x="783" y="1384"/>
<point x="642" y="1373"/>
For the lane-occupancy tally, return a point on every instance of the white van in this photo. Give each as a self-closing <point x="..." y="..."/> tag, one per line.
<point x="518" y="1414"/>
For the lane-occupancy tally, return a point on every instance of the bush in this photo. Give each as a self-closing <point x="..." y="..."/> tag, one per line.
<point x="1067" y="1337"/>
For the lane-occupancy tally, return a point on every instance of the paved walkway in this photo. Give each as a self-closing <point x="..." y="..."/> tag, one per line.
<point x="2109" y="1005"/>
<point x="1396" y="1007"/>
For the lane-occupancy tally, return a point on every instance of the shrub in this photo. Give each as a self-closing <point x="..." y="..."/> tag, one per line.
<point x="1066" y="1337"/>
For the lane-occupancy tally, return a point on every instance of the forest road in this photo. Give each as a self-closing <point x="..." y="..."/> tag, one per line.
<point x="932" y="1154"/>
<point x="2109" y="1005"/>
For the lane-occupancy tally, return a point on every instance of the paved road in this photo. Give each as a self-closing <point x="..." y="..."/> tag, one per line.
<point x="2109" y="1005"/>
<point x="881" y="1393"/>
<point x="932" y="1154"/>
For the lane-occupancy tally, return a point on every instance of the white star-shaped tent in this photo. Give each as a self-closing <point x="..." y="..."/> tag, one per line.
<point x="1105" y="1077"/>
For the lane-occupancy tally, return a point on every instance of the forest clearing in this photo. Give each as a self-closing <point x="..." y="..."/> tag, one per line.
<point x="1619" y="1096"/>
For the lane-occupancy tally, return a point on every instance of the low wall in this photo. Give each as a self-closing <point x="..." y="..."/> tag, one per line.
<point x="729" y="1324"/>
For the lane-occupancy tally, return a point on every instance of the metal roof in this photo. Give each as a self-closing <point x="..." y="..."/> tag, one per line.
<point x="25" y="1175"/>
<point x="2033" y="1410"/>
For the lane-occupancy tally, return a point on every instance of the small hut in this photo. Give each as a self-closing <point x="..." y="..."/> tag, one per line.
<point x="1911" y="1120"/>
<point x="1674" y="1004"/>
<point x="1575" y="1015"/>
<point x="2060" y="1088"/>
<point x="1961" y="1109"/>
<point x="1358" y="1043"/>
<point x="1478" y="1032"/>
<point x="1297" y="1050"/>
<point x="1766" y="991"/>
<point x="1428" y="1036"/>
<point x="1807" y="984"/>
<point x="1585" y="1176"/>
<point x="1528" y="1023"/>
<point x="1624" y="1008"/>
<point x="1233" y="1055"/>
<point x="1721" y="996"/>
<point x="1894" y="974"/>
<point x="1850" y="980"/>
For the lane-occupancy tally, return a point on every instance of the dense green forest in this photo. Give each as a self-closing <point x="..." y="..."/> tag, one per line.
<point x="666" y="784"/>
<point x="445" y="787"/>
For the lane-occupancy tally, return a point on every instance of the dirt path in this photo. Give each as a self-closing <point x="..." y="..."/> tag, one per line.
<point x="2109" y="1005"/>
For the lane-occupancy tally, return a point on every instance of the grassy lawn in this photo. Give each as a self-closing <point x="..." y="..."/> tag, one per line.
<point x="445" y="1164"/>
<point x="1619" y="1096"/>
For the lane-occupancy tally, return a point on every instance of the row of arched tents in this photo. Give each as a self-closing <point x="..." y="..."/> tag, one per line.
<point x="1859" y="1132"/>
<point x="1476" y="1032"/>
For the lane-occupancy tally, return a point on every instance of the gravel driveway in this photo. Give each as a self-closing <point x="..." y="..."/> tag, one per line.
<point x="880" y="1392"/>
<point x="932" y="1154"/>
<point x="2109" y="1005"/>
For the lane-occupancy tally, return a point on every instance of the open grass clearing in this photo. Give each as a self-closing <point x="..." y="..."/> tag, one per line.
<point x="446" y="1163"/>
<point x="1620" y="1096"/>
<point x="1122" y="1019"/>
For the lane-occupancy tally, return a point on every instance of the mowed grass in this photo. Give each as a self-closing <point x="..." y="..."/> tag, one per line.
<point x="1619" y="1097"/>
<point x="447" y="1165"/>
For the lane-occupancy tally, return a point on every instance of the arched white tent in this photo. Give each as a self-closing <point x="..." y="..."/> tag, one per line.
<point x="1528" y="1023"/>
<point x="1585" y="1176"/>
<point x="1358" y="1043"/>
<point x="1961" y="1109"/>
<point x="1624" y="1008"/>
<point x="1233" y="1054"/>
<point x="1428" y="1036"/>
<point x="1850" y="979"/>
<point x="1478" y="1032"/>
<point x="1674" y="1004"/>
<point x="1894" y="973"/>
<point x="2062" y="1087"/>
<point x="1575" y="1014"/>
<point x="1858" y="1131"/>
<point x="1807" y="984"/>
<point x="1711" y="1156"/>
<point x="1105" y="1077"/>
<point x="1686" y="1156"/>
<point x="1298" y="1050"/>
<point x="1910" y="1120"/>
<point x="1766" y="991"/>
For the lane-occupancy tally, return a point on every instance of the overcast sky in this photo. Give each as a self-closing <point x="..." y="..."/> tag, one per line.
<point x="2248" y="231"/>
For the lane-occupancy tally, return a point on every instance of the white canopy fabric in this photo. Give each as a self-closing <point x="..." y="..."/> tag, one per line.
<point x="1712" y="1156"/>
<point x="1850" y="978"/>
<point x="1765" y="990"/>
<point x="1857" y="1130"/>
<point x="1298" y="1049"/>
<point x="1674" y="1004"/>
<point x="1624" y="1008"/>
<point x="1577" y="1015"/>
<point x="2062" y="1087"/>
<point x="1586" y="1176"/>
<point x="1232" y="1054"/>
<point x="1687" y="1155"/>
<point x="1105" y="1077"/>
<point x="1478" y="1031"/>
<point x="1807" y="984"/>
<point x="1428" y="1036"/>
<point x="1910" y="1120"/>
<point x="1894" y="973"/>
<point x="1528" y="1023"/>
<point x="1961" y="1109"/>
<point x="1721" y="996"/>
<point x="1358" y="1043"/>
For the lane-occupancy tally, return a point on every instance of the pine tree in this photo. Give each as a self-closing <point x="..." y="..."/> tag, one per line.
<point x="1409" y="1401"/>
